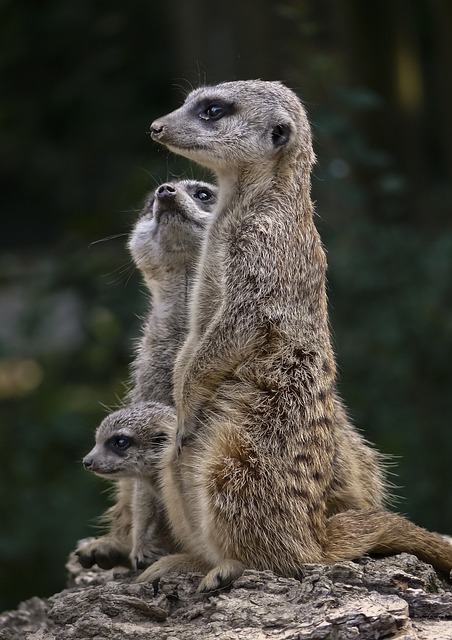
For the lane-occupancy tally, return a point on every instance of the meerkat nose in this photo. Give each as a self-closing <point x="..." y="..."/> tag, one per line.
<point x="87" y="462"/>
<point x="166" y="191"/>
<point x="156" y="129"/>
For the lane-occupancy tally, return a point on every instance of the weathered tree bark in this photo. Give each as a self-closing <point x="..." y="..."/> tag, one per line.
<point x="398" y="597"/>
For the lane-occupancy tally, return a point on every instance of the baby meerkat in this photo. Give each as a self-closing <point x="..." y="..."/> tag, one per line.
<point x="251" y="477"/>
<point x="165" y="245"/>
<point x="129" y="445"/>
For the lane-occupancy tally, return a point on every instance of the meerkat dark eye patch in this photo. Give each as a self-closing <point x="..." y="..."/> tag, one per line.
<point x="212" y="110"/>
<point x="119" y="444"/>
<point x="280" y="135"/>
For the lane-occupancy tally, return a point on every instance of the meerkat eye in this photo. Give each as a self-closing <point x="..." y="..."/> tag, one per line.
<point x="203" y="194"/>
<point x="120" y="443"/>
<point x="214" y="110"/>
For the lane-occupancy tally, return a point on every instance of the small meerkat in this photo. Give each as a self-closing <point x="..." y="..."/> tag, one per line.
<point x="165" y="245"/>
<point x="250" y="480"/>
<point x="129" y="445"/>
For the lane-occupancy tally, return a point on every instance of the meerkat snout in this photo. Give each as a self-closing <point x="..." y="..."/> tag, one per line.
<point x="87" y="462"/>
<point x="156" y="128"/>
<point x="166" y="191"/>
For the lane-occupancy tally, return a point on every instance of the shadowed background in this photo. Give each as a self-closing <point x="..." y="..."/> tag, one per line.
<point x="80" y="83"/>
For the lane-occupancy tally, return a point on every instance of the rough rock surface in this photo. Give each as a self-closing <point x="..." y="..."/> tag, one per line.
<point x="398" y="597"/>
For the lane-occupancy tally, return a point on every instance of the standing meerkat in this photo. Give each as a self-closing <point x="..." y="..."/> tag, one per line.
<point x="248" y="482"/>
<point x="165" y="245"/>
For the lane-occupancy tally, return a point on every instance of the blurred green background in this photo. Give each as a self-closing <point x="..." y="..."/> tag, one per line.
<point x="81" y="80"/>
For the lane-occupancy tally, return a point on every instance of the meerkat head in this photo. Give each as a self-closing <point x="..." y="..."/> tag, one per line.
<point x="234" y="124"/>
<point x="169" y="234"/>
<point x="130" y="441"/>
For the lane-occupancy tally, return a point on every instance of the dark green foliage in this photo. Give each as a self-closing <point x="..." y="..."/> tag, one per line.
<point x="65" y="350"/>
<point x="81" y="82"/>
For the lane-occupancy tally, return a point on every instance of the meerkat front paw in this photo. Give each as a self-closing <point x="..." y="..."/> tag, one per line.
<point x="221" y="576"/>
<point x="105" y="552"/>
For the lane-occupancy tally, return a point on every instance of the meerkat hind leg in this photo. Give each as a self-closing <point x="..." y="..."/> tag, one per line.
<point x="178" y="562"/>
<point x="221" y="576"/>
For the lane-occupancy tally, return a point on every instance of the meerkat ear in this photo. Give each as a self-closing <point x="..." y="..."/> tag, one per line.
<point x="280" y="134"/>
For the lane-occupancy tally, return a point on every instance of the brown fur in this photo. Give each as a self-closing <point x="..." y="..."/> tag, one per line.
<point x="251" y="480"/>
<point x="165" y="245"/>
<point x="358" y="469"/>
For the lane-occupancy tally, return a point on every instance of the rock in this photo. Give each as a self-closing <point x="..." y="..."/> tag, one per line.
<point x="396" y="597"/>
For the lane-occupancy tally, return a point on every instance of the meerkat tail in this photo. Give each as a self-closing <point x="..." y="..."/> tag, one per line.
<point x="353" y="533"/>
